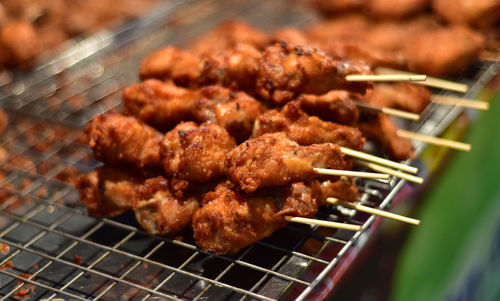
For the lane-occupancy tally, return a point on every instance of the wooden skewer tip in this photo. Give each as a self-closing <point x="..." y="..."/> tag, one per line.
<point x="321" y="223"/>
<point x="386" y="77"/>
<point x="378" y="160"/>
<point x="349" y="173"/>
<point x="434" y="140"/>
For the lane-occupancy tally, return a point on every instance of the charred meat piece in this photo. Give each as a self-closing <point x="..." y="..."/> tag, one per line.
<point x="231" y="220"/>
<point x="116" y="139"/>
<point x="305" y="129"/>
<point x="286" y="71"/>
<point x="196" y="153"/>
<point x="275" y="160"/>
<point x="164" y="206"/>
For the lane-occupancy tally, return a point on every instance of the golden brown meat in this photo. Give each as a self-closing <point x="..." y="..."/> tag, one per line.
<point x="305" y="129"/>
<point x="181" y="66"/>
<point x="164" y="206"/>
<point x="196" y="153"/>
<point x="290" y="35"/>
<point x="227" y="35"/>
<point x="286" y="71"/>
<point x="4" y="121"/>
<point x="396" y="8"/>
<point x="108" y="191"/>
<point x="116" y="139"/>
<point x="275" y="160"/>
<point x="344" y="189"/>
<point x="230" y="220"/>
<point x="20" y="44"/>
<point x="337" y="105"/>
<point x="234" y="111"/>
<point x="235" y="67"/>
<point x="480" y="13"/>
<point x="163" y="105"/>
<point x="383" y="132"/>
<point x="403" y="96"/>
<point x="159" y="104"/>
<point x="453" y="49"/>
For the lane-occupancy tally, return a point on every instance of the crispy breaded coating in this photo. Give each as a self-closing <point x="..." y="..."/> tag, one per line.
<point x="235" y="67"/>
<point x="181" y="66"/>
<point x="305" y="129"/>
<point x="234" y="111"/>
<point x="337" y="105"/>
<point x="344" y="189"/>
<point x="290" y="35"/>
<point x="108" y="191"/>
<point x="159" y="104"/>
<point x="403" y="96"/>
<point x="196" y="153"/>
<point x="117" y="140"/>
<point x="230" y="220"/>
<point x="275" y="160"/>
<point x="383" y="132"/>
<point x="164" y="206"/>
<point x="227" y="35"/>
<point x="286" y="71"/>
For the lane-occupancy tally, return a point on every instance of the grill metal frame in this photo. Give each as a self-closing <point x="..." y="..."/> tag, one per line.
<point x="80" y="257"/>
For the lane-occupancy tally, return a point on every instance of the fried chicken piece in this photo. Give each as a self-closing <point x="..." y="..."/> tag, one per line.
<point x="4" y="121"/>
<point x="396" y="8"/>
<point x="344" y="189"/>
<point x="275" y="160"/>
<point x="159" y="104"/>
<point x="234" y="111"/>
<point x="230" y="220"/>
<point x="403" y="96"/>
<point x="181" y="66"/>
<point x="290" y="35"/>
<point x="196" y="153"/>
<point x="235" y="67"/>
<point x="453" y="49"/>
<point x="382" y="131"/>
<point x="227" y="35"/>
<point x="164" y="206"/>
<point x="108" y="191"/>
<point x="349" y="26"/>
<point x="305" y="129"/>
<point x="20" y="43"/>
<point x="480" y="13"/>
<point x="337" y="105"/>
<point x="286" y="71"/>
<point x="116" y="139"/>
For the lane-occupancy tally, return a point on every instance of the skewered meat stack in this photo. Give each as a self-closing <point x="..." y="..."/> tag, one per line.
<point x="226" y="137"/>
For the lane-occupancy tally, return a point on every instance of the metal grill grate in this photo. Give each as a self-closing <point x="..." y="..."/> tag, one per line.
<point x="51" y="249"/>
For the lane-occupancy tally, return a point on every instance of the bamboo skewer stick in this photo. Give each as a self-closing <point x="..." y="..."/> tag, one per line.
<point x="385" y="78"/>
<point x="390" y="111"/>
<point x="378" y="160"/>
<point x="310" y="221"/>
<point x="374" y="211"/>
<point x="434" y="140"/>
<point x="393" y="172"/>
<point x="429" y="81"/>
<point x="349" y="173"/>
<point x="460" y="102"/>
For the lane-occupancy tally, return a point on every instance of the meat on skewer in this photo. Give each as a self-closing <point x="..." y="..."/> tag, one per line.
<point x="403" y="96"/>
<point x="108" y="191"/>
<point x="196" y="153"/>
<point x="165" y="206"/>
<point x="116" y="140"/>
<point x="163" y="105"/>
<point x="231" y="220"/>
<point x="275" y="160"/>
<point x="278" y="73"/>
<point x="305" y="129"/>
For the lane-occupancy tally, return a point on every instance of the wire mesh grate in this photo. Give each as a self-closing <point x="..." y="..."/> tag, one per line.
<point x="49" y="247"/>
